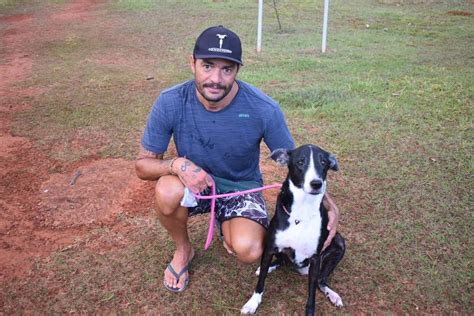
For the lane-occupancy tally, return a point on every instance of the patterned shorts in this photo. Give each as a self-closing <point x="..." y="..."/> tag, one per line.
<point x="251" y="206"/>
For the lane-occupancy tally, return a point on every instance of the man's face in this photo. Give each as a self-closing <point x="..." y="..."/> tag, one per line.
<point x="214" y="78"/>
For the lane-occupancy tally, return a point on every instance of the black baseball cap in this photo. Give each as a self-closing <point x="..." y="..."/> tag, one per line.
<point x="218" y="42"/>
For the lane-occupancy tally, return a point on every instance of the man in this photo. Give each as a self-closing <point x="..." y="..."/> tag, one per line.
<point x="217" y="124"/>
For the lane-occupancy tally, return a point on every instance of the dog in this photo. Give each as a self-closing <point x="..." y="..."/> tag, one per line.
<point x="298" y="229"/>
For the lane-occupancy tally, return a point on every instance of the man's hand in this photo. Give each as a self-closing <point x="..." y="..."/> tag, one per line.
<point x="333" y="216"/>
<point x="192" y="176"/>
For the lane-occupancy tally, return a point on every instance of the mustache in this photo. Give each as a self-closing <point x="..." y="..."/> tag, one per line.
<point x="213" y="85"/>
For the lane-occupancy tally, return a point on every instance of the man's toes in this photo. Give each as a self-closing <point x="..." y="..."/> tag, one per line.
<point x="181" y="282"/>
<point x="170" y="280"/>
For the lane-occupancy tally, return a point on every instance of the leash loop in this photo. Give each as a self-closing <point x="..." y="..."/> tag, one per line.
<point x="213" y="197"/>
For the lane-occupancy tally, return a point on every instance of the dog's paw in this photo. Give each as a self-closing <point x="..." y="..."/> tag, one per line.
<point x="247" y="310"/>
<point x="252" y="304"/>
<point x="334" y="298"/>
<point x="304" y="271"/>
<point x="257" y="272"/>
<point x="337" y="302"/>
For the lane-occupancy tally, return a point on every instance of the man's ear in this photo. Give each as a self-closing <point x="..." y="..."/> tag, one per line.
<point x="192" y="63"/>
<point x="281" y="156"/>
<point x="333" y="163"/>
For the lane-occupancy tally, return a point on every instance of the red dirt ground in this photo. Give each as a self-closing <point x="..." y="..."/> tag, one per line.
<point x="40" y="211"/>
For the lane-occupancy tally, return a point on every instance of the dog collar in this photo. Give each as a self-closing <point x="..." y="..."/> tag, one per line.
<point x="297" y="221"/>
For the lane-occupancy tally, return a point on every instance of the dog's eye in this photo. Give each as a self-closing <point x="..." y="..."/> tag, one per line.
<point x="300" y="162"/>
<point x="323" y="160"/>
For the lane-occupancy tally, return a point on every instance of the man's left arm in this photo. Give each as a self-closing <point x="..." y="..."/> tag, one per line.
<point x="277" y="134"/>
<point x="333" y="216"/>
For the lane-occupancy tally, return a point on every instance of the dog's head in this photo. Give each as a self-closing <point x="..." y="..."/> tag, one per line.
<point x="307" y="166"/>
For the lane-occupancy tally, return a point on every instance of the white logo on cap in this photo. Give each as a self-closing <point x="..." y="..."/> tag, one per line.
<point x="221" y="39"/>
<point x="220" y="49"/>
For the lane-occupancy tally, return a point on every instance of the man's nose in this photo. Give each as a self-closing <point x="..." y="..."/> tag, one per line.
<point x="216" y="76"/>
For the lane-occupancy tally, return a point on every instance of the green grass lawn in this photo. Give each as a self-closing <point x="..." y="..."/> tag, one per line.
<point x="392" y="98"/>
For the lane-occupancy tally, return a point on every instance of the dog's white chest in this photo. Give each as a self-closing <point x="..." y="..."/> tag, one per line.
<point x="303" y="233"/>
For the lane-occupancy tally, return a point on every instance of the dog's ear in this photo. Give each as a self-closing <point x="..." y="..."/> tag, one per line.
<point x="281" y="156"/>
<point x="333" y="163"/>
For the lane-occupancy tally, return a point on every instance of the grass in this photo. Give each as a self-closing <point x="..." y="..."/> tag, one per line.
<point x="133" y="5"/>
<point x="392" y="98"/>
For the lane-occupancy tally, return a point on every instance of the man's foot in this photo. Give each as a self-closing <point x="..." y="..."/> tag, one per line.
<point x="176" y="277"/>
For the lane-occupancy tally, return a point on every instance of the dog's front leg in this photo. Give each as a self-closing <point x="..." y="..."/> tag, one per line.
<point x="314" y="269"/>
<point x="252" y="304"/>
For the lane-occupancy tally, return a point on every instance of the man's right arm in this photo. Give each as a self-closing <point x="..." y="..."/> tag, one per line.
<point x="151" y="166"/>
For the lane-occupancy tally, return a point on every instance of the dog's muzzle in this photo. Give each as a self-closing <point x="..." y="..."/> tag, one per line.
<point x="316" y="187"/>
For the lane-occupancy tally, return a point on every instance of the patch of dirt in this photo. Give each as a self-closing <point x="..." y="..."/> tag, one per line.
<point x="16" y="18"/>
<point x="82" y="142"/>
<point x="461" y="13"/>
<point x="92" y="195"/>
<point x="8" y="145"/>
<point x="14" y="71"/>
<point x="40" y="210"/>
<point x="272" y="174"/>
<point x="76" y="11"/>
<point x="21" y="238"/>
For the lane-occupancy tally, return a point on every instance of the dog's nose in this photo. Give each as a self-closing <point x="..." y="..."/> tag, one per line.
<point x="316" y="184"/>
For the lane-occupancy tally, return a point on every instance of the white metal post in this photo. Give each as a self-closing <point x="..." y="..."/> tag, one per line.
<point x="259" y="27"/>
<point x="325" y="25"/>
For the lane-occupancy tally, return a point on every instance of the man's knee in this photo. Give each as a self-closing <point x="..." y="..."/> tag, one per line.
<point x="168" y="194"/>
<point x="247" y="250"/>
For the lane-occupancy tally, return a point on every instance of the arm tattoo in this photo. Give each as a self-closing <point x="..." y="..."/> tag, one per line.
<point x="185" y="165"/>
<point x="143" y="154"/>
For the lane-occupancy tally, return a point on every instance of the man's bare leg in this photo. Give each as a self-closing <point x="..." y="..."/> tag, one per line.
<point x="174" y="218"/>
<point x="244" y="237"/>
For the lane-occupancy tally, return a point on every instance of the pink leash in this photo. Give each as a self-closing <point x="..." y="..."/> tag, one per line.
<point x="215" y="196"/>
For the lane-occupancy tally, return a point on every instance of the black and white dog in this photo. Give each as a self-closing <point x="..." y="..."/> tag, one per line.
<point x="298" y="229"/>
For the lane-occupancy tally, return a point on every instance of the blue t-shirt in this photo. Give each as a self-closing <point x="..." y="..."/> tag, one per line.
<point x="226" y="143"/>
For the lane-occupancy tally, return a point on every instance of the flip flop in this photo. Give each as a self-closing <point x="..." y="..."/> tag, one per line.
<point x="177" y="276"/>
